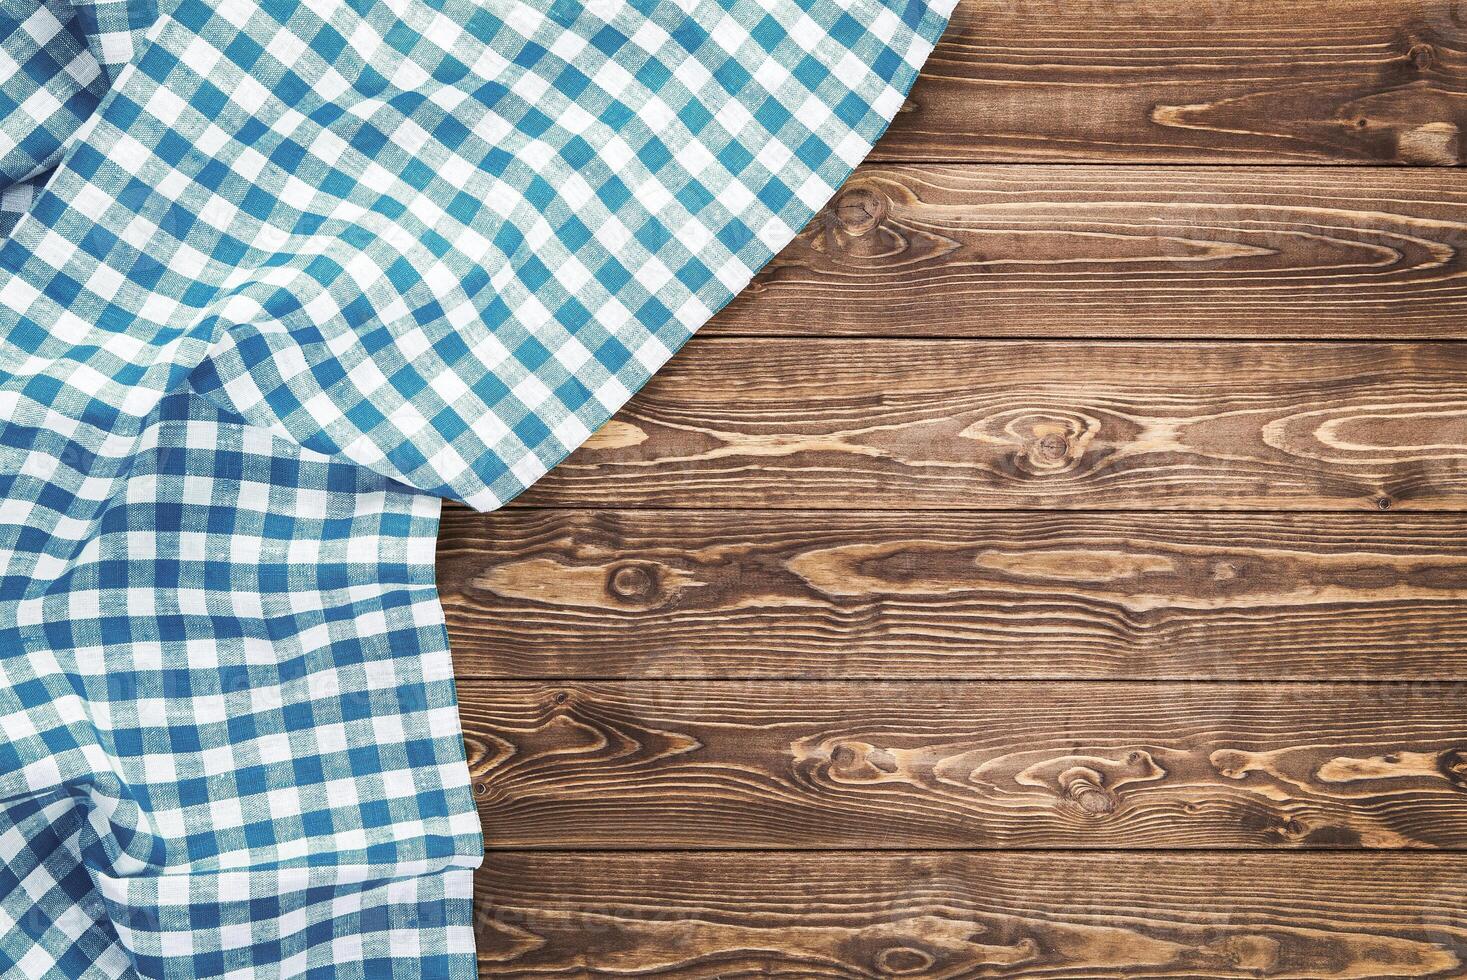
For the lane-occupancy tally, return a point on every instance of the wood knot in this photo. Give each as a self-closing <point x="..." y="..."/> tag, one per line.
<point x="1292" y="829"/>
<point x="860" y="211"/>
<point x="1092" y="783"/>
<point x="632" y="583"/>
<point x="1383" y="503"/>
<point x="1093" y="800"/>
<point x="898" y="960"/>
<point x="1053" y="448"/>
<point x="1232" y="763"/>
<point x="861" y="762"/>
<point x="1083" y="787"/>
<point x="1052" y="444"/>
<point x="1454" y="766"/>
<point x="1422" y="56"/>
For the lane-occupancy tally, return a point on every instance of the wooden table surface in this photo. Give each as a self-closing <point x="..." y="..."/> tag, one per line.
<point x="1055" y="565"/>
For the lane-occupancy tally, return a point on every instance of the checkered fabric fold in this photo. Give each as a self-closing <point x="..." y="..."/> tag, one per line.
<point x="274" y="278"/>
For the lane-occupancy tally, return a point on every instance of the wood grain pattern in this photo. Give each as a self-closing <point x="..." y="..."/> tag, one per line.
<point x="997" y="251"/>
<point x="966" y="679"/>
<point x="950" y="916"/>
<point x="969" y="425"/>
<point x="1215" y="81"/>
<point x="642" y="594"/>
<point x="963" y="764"/>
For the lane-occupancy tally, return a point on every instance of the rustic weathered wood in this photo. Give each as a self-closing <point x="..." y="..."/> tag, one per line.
<point x="970" y="425"/>
<point x="751" y="764"/>
<point x="960" y="916"/>
<point x="888" y="434"/>
<point x="998" y="251"/>
<point x="1215" y="81"/>
<point x="603" y="594"/>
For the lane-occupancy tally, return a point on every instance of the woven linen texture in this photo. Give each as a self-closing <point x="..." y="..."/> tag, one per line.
<point x="274" y="279"/>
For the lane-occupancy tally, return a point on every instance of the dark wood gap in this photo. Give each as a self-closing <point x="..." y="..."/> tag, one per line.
<point x="893" y="338"/>
<point x="1451" y="855"/>
<point x="1344" y="166"/>
<point x="515" y="507"/>
<point x="1445" y="856"/>
<point x="975" y="679"/>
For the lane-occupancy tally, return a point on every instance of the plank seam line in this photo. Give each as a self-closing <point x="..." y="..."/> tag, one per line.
<point x="1371" y="341"/>
<point x="1106" y="341"/>
<point x="1444" y="855"/>
<point x="877" y="160"/>
<point x="1357" y="512"/>
<point x="886" y="511"/>
<point x="1417" y="682"/>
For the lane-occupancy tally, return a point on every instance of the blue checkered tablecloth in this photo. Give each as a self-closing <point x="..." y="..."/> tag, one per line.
<point x="274" y="278"/>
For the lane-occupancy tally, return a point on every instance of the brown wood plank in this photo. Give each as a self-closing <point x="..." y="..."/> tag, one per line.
<point x="1000" y="251"/>
<point x="756" y="764"/>
<point x="880" y="424"/>
<point x="967" y="915"/>
<point x="637" y="594"/>
<point x="1241" y="81"/>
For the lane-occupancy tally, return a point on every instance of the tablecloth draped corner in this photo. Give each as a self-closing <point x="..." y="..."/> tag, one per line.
<point x="275" y="278"/>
